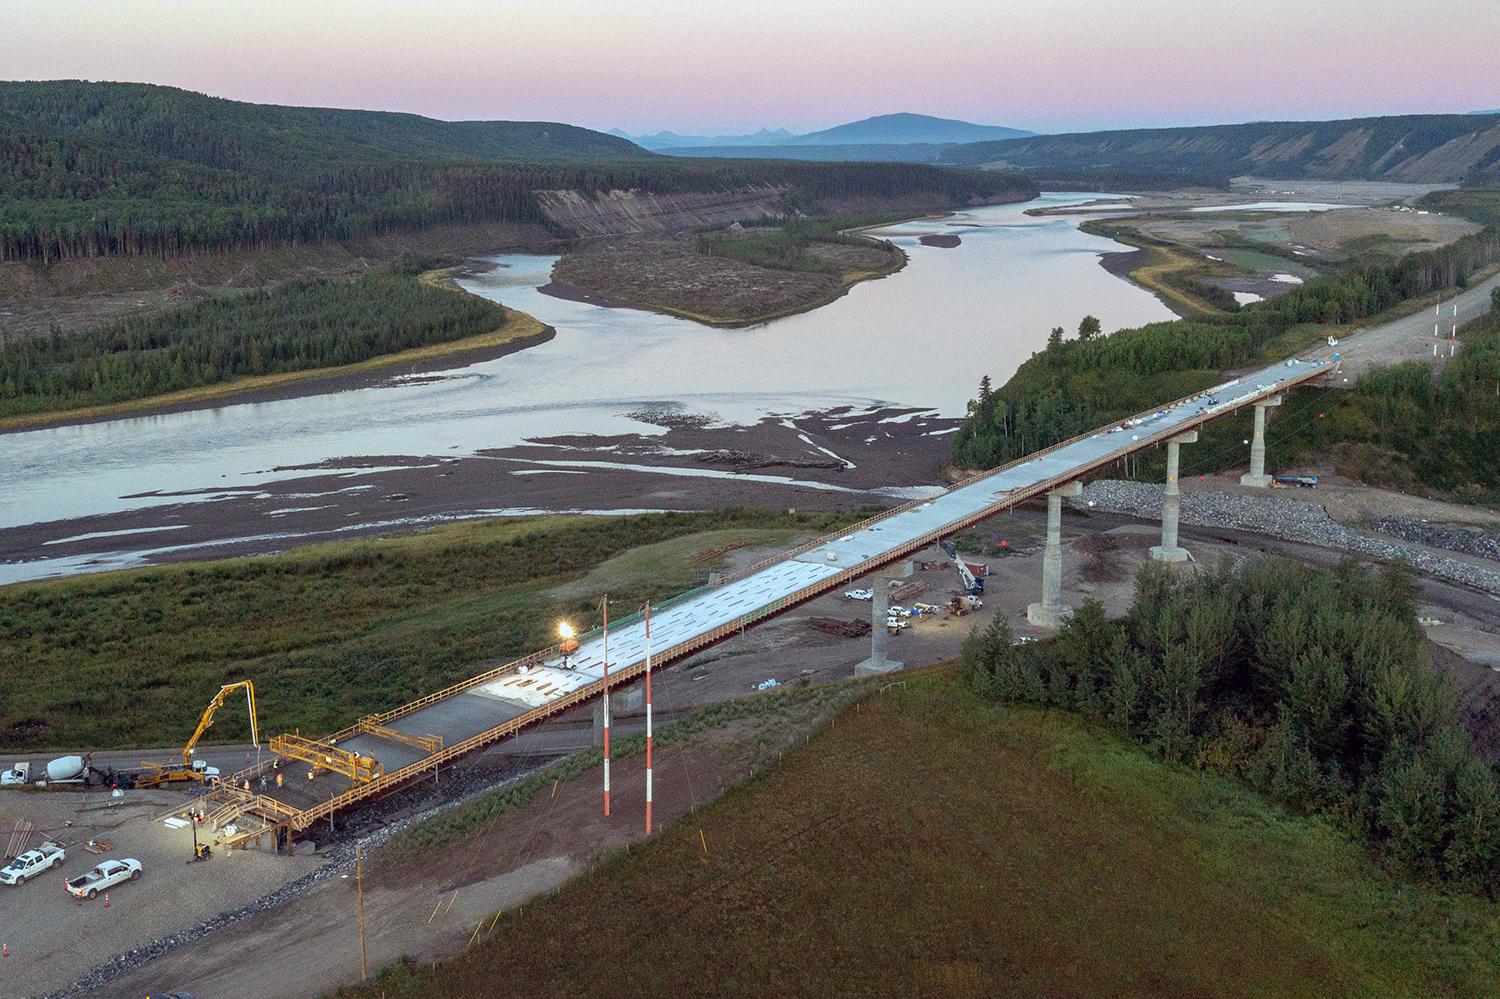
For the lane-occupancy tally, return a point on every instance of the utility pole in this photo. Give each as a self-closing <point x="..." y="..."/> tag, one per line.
<point x="359" y="887"/>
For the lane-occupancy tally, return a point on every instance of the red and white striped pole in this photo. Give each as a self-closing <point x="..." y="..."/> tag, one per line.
<point x="648" y="718"/>
<point x="606" y="704"/>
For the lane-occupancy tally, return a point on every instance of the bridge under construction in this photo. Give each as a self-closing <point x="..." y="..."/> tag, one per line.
<point x="384" y="752"/>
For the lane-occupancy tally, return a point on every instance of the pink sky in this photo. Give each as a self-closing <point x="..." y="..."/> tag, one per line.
<point x="718" y="66"/>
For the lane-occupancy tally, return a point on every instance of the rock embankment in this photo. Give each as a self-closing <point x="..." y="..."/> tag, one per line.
<point x="1288" y="519"/>
<point x="1464" y="540"/>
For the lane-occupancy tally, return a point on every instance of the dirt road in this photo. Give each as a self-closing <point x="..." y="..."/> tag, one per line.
<point x="1410" y="337"/>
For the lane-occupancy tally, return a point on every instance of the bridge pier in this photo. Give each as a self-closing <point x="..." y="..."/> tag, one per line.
<point x="1050" y="612"/>
<point x="1257" y="475"/>
<point x="1169" y="550"/>
<point x="880" y="639"/>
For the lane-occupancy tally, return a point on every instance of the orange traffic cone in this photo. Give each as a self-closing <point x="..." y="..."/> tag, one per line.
<point x="106" y="900"/>
<point x="4" y="950"/>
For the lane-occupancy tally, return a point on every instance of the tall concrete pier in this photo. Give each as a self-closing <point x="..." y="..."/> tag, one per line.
<point x="1050" y="612"/>
<point x="1169" y="550"/>
<point x="880" y="639"/>
<point x="1257" y="475"/>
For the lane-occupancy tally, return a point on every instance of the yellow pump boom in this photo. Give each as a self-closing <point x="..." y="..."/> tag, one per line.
<point x="215" y="705"/>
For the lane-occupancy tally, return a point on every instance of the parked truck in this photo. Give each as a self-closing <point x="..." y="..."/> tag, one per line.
<point x="31" y="863"/>
<point x="18" y="774"/>
<point x="102" y="877"/>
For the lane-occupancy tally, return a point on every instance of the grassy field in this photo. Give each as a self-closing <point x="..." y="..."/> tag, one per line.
<point x="1169" y="273"/>
<point x="924" y="844"/>
<point x="329" y="632"/>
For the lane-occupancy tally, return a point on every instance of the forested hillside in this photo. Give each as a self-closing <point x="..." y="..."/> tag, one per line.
<point x="129" y="169"/>
<point x="1427" y="148"/>
<point x="1399" y="426"/>
<point x="1081" y="383"/>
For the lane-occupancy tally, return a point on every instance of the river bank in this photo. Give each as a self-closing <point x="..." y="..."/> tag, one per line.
<point x="834" y="460"/>
<point x="639" y="271"/>
<point x="519" y="332"/>
<point x="658" y="413"/>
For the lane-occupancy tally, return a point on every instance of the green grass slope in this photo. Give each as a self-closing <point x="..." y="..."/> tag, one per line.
<point x="924" y="844"/>
<point x="329" y="632"/>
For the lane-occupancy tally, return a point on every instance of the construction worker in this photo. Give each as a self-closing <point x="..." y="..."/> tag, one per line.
<point x="278" y="778"/>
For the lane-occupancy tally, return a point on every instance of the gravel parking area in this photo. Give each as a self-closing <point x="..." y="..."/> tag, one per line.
<point x="52" y="937"/>
<point x="1288" y="519"/>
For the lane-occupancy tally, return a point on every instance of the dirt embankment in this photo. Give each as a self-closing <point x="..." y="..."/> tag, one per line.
<point x="634" y="212"/>
<point x="618" y="212"/>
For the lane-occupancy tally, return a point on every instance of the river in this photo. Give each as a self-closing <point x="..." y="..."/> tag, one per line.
<point x="919" y="339"/>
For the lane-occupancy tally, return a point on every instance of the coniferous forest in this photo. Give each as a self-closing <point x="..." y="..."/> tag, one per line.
<point x="314" y="323"/>
<point x="1308" y="684"/>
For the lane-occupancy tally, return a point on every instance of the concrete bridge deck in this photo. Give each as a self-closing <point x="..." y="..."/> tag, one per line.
<point x="499" y="703"/>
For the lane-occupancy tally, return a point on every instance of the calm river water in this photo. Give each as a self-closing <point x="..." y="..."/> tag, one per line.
<point x="920" y="338"/>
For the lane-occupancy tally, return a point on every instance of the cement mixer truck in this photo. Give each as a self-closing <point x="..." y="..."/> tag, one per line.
<point x="63" y="770"/>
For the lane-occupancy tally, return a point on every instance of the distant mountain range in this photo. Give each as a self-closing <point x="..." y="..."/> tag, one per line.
<point x="667" y="141"/>
<point x="901" y="152"/>
<point x="1441" y="148"/>
<point x="881" y="130"/>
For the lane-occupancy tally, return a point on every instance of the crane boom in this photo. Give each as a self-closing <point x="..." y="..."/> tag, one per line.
<point x="214" y="705"/>
<point x="972" y="583"/>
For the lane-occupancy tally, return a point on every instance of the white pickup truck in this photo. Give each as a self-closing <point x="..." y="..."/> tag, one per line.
<point x="31" y="863"/>
<point x="106" y="875"/>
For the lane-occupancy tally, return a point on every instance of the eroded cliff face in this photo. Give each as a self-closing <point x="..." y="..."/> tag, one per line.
<point x="616" y="212"/>
<point x="613" y="213"/>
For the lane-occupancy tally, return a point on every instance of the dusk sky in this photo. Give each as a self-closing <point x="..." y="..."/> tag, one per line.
<point x="707" y="66"/>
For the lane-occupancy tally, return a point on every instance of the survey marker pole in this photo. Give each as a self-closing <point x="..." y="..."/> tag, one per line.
<point x="359" y="887"/>
<point x="606" y="704"/>
<point x="648" y="718"/>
